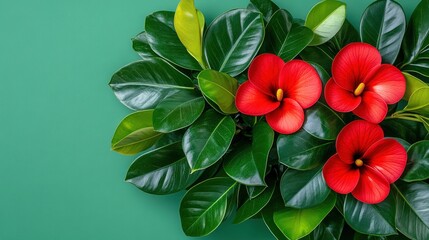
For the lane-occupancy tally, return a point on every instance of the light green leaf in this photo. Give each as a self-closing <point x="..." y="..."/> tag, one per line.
<point x="419" y="102"/>
<point x="413" y="84"/>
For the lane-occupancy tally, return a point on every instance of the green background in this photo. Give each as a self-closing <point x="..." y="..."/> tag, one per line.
<point x="58" y="177"/>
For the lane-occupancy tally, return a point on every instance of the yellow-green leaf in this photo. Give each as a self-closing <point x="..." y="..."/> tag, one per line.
<point x="189" y="25"/>
<point x="413" y="84"/>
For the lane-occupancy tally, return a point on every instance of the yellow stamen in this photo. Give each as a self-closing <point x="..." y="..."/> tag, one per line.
<point x="358" y="91"/>
<point x="279" y="94"/>
<point x="359" y="162"/>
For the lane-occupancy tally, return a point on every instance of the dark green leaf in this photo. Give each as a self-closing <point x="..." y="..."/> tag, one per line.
<point x="204" y="206"/>
<point x="266" y="7"/>
<point x="373" y="219"/>
<point x="162" y="171"/>
<point x="135" y="133"/>
<point x="412" y="210"/>
<point x="233" y="40"/>
<point x="142" y="47"/>
<point x="302" y="151"/>
<point x="177" y="111"/>
<point x="329" y="229"/>
<point x="322" y="122"/>
<point x="220" y="88"/>
<point x="208" y="139"/>
<point x="297" y="223"/>
<point x="303" y="189"/>
<point x="383" y="26"/>
<point x="254" y="191"/>
<point x="287" y="39"/>
<point x="418" y="162"/>
<point x="143" y="84"/>
<point x="407" y="130"/>
<point x="275" y="204"/>
<point x="163" y="39"/>
<point x="248" y="165"/>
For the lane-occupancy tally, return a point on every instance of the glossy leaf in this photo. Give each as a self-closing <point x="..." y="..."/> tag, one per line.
<point x="254" y="191"/>
<point x="325" y="20"/>
<point x="383" y="26"/>
<point x="208" y="139"/>
<point x="142" y="47"/>
<point x="177" y="111"/>
<point x="416" y="43"/>
<point x="275" y="204"/>
<point x="266" y="7"/>
<point x="135" y="133"/>
<point x="329" y="229"/>
<point x="161" y="171"/>
<point x="233" y="40"/>
<point x="413" y="84"/>
<point x="302" y="151"/>
<point x="297" y="223"/>
<point x="303" y="189"/>
<point x="188" y="23"/>
<point x="253" y="206"/>
<point x="418" y="162"/>
<point x="143" y="84"/>
<point x="322" y="122"/>
<point x="220" y="88"/>
<point x="204" y="206"/>
<point x="373" y="219"/>
<point x="412" y="210"/>
<point x="407" y="130"/>
<point x="419" y="102"/>
<point x="286" y="38"/>
<point x="163" y="39"/>
<point x="248" y="165"/>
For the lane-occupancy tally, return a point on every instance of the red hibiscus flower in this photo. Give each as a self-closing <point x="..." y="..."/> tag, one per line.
<point x="361" y="84"/>
<point x="280" y="91"/>
<point x="366" y="163"/>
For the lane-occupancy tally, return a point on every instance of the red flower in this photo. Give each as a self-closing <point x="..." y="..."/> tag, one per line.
<point x="279" y="90"/>
<point x="360" y="83"/>
<point x="366" y="163"/>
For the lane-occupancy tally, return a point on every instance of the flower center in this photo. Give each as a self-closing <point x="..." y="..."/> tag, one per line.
<point x="359" y="162"/>
<point x="279" y="94"/>
<point x="358" y="91"/>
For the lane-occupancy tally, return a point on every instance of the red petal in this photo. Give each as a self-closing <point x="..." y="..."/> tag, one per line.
<point x="249" y="100"/>
<point x="372" y="188"/>
<point x="355" y="138"/>
<point x="300" y="81"/>
<point x="264" y="72"/>
<point x="354" y="63"/>
<point x="372" y="108"/>
<point x="339" y="176"/>
<point x="286" y="119"/>
<point x="340" y="99"/>
<point x="388" y="156"/>
<point x="388" y="82"/>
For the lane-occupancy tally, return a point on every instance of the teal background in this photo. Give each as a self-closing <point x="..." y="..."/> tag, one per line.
<point x="58" y="177"/>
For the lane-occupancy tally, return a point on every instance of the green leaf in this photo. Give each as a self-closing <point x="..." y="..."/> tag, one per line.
<point x="161" y="171"/>
<point x="418" y="162"/>
<point x="329" y="229"/>
<point x="208" y="139"/>
<point x="413" y="84"/>
<point x="286" y="38"/>
<point x="407" y="130"/>
<point x="266" y="7"/>
<point x="416" y="43"/>
<point x="220" y="88"/>
<point x="412" y="210"/>
<point x="189" y="23"/>
<point x="163" y="39"/>
<point x="135" y="133"/>
<point x="248" y="165"/>
<point x="275" y="204"/>
<point x="297" y="223"/>
<point x="418" y="102"/>
<point x="204" y="206"/>
<point x="253" y="206"/>
<point x="177" y="111"/>
<point x="254" y="191"/>
<point x="302" y="151"/>
<point x="142" y="47"/>
<point x="383" y="26"/>
<point x="233" y="40"/>
<point x="322" y="122"/>
<point x="325" y="20"/>
<point x="303" y="189"/>
<point x="372" y="219"/>
<point x="143" y="84"/>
